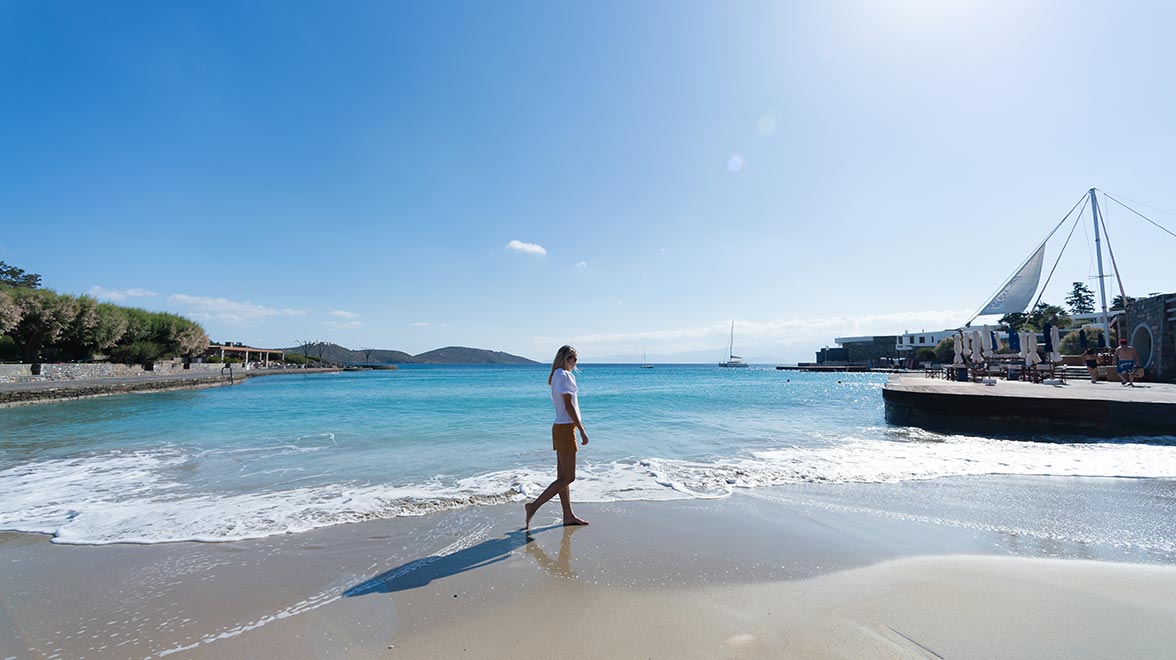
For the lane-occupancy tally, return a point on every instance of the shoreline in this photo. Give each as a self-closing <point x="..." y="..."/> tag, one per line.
<point x="737" y="577"/>
<point x="40" y="392"/>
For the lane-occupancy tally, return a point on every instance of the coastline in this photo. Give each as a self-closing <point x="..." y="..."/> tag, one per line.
<point x="22" y="394"/>
<point x="744" y="576"/>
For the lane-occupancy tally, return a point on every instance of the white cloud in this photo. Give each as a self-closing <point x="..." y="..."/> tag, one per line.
<point x="115" y="294"/>
<point x="343" y="325"/>
<point x="421" y="324"/>
<point x="344" y="315"/>
<point x="231" y="311"/>
<point x="529" y="248"/>
<point x="581" y="264"/>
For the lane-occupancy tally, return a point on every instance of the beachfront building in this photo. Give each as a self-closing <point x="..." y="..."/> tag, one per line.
<point x="246" y="354"/>
<point x="869" y="351"/>
<point x="913" y="341"/>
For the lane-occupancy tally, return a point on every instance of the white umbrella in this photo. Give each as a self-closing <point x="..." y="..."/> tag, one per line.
<point x="1055" y="356"/>
<point x="977" y="346"/>
<point x="1024" y="347"/>
<point x="986" y="341"/>
<point x="959" y="349"/>
<point x="1034" y="358"/>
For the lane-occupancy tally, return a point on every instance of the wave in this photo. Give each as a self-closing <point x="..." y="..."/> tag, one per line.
<point x="129" y="497"/>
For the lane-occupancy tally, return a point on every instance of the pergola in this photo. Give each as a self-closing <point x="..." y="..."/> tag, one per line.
<point x="262" y="354"/>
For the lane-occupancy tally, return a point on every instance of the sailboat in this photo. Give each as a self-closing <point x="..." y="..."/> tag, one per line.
<point x="643" y="363"/>
<point x="733" y="361"/>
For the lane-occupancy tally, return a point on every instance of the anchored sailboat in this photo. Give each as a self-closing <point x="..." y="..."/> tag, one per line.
<point x="733" y="361"/>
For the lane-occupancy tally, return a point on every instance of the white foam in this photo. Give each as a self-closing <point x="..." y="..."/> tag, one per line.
<point x="128" y="497"/>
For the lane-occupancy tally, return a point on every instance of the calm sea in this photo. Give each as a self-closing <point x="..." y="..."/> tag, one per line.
<point x="290" y="453"/>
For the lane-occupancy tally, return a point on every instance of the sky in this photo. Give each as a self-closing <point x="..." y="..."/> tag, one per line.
<point x="626" y="177"/>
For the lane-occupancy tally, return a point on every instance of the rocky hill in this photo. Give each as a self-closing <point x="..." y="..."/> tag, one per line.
<point x="463" y="355"/>
<point x="337" y="354"/>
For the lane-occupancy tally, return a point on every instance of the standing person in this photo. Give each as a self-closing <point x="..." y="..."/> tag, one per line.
<point x="1091" y="363"/>
<point x="1125" y="358"/>
<point x="563" y="435"/>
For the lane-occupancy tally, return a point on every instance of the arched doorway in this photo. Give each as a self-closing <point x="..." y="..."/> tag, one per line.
<point x="1141" y="339"/>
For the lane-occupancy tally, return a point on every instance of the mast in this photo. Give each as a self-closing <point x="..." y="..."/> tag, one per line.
<point x="731" y="346"/>
<point x="1102" y="289"/>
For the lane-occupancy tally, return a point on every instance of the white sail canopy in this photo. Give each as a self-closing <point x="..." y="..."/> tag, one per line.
<point x="1015" y="295"/>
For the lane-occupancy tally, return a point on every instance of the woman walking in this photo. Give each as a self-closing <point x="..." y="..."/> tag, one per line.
<point x="563" y="435"/>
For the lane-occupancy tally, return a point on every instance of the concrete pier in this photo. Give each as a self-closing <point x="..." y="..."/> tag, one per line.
<point x="1079" y="407"/>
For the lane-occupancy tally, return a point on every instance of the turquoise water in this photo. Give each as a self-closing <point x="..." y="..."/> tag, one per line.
<point x="287" y="453"/>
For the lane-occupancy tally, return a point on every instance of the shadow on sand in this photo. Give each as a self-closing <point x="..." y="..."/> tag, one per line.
<point x="420" y="572"/>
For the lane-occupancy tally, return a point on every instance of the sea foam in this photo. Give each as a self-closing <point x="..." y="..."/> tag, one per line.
<point x="134" y="496"/>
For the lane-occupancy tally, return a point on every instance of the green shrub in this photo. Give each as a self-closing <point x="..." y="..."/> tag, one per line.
<point x="139" y="352"/>
<point x="945" y="350"/>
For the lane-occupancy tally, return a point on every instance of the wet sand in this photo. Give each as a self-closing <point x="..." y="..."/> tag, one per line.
<point x="733" y="578"/>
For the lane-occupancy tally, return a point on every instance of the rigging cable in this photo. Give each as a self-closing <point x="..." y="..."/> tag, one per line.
<point x="1141" y="215"/>
<point x="1136" y="201"/>
<point x="1056" y="261"/>
<point x="1082" y="201"/>
<point x="1114" y="266"/>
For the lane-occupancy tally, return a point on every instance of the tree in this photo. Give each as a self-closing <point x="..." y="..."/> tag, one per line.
<point x="1015" y="320"/>
<point x="1081" y="299"/>
<point x="189" y="339"/>
<point x="45" y="316"/>
<point x="1117" y="302"/>
<point x="367" y="354"/>
<point x="1045" y="313"/>
<point x="1071" y="345"/>
<point x="945" y="350"/>
<point x="10" y="312"/>
<point x="17" y="277"/>
<point x="305" y="344"/>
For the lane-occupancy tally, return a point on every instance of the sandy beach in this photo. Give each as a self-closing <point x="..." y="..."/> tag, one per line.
<point x="750" y="576"/>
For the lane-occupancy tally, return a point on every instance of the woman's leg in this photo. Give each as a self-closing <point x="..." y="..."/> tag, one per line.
<point x="566" y="472"/>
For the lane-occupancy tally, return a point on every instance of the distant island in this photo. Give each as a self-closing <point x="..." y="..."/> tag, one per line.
<point x="334" y="353"/>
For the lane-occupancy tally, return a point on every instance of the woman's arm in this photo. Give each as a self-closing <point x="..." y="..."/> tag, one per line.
<point x="575" y="416"/>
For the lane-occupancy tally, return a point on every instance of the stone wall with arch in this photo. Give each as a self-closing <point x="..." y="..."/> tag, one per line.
<point x="1151" y="329"/>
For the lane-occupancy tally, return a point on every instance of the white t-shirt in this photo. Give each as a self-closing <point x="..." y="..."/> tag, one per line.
<point x="563" y="382"/>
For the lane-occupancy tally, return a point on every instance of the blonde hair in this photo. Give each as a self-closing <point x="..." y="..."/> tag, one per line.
<point x="561" y="359"/>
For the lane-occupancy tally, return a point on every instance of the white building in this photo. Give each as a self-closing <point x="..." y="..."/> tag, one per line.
<point x="910" y="341"/>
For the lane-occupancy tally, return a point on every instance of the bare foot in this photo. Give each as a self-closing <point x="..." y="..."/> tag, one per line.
<point x="574" y="521"/>
<point x="530" y="512"/>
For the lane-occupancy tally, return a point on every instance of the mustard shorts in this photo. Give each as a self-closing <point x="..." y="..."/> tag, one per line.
<point x="563" y="437"/>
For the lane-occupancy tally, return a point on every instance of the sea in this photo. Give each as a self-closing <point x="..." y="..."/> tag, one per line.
<point x="290" y="453"/>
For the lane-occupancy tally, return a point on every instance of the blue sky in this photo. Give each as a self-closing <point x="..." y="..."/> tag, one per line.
<point x="358" y="172"/>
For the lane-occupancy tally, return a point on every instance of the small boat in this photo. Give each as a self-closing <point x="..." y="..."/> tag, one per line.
<point x="643" y="364"/>
<point x="733" y="361"/>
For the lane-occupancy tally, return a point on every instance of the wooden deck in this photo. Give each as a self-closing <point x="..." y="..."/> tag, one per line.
<point x="1016" y="408"/>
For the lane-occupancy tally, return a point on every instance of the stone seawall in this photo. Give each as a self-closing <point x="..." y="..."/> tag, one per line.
<point x="46" y="391"/>
<point x="60" y="391"/>
<point x="67" y="371"/>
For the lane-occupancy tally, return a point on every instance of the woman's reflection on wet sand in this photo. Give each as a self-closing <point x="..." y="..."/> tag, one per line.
<point x="562" y="565"/>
